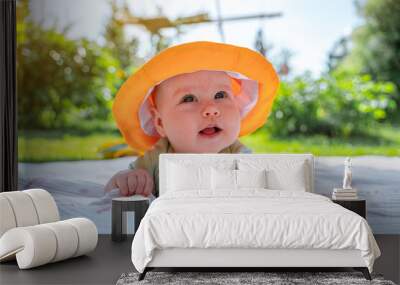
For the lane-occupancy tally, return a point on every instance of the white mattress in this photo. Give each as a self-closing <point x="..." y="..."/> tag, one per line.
<point x="252" y="218"/>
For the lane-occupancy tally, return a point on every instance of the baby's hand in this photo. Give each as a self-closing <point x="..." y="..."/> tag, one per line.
<point x="130" y="182"/>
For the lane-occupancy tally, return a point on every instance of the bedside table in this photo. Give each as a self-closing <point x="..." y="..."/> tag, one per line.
<point x="136" y="203"/>
<point x="357" y="206"/>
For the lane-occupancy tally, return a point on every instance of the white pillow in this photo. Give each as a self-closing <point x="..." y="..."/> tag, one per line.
<point x="282" y="174"/>
<point x="251" y="178"/>
<point x="229" y="179"/>
<point x="293" y="180"/>
<point x="223" y="179"/>
<point x="183" y="177"/>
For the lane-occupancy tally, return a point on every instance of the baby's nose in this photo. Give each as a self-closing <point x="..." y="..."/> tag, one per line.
<point x="211" y="111"/>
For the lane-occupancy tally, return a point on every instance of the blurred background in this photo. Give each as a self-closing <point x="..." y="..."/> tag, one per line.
<point x="338" y="61"/>
<point x="339" y="64"/>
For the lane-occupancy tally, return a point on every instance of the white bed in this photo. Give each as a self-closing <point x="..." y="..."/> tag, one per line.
<point x="202" y="220"/>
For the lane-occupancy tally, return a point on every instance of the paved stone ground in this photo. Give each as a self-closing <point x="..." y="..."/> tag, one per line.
<point x="78" y="186"/>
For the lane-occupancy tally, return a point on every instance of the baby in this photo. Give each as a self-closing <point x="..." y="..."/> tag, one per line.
<point x="192" y="112"/>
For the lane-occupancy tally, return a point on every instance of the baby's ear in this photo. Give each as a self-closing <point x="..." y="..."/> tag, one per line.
<point x="157" y="121"/>
<point x="153" y="112"/>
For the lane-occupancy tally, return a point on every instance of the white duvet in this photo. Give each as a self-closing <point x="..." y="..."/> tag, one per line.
<point x="251" y="218"/>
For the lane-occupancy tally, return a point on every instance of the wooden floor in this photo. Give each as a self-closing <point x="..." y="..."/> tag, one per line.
<point x="102" y="266"/>
<point x="110" y="260"/>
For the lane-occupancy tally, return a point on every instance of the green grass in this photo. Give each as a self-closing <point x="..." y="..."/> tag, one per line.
<point x="384" y="141"/>
<point x="40" y="146"/>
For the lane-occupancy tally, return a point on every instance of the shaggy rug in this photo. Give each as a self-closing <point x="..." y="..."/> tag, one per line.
<point x="228" y="278"/>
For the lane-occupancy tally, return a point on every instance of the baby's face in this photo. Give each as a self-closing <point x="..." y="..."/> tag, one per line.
<point x="196" y="112"/>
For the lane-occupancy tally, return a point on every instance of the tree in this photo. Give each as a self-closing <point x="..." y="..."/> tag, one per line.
<point x="59" y="80"/>
<point x="376" y="44"/>
<point x="338" y="53"/>
<point x="336" y="104"/>
<point x="116" y="42"/>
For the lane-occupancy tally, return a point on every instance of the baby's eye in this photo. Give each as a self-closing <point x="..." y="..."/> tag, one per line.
<point x="220" y="94"/>
<point x="188" y="98"/>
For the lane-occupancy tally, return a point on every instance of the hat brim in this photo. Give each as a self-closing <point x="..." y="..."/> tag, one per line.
<point x="186" y="58"/>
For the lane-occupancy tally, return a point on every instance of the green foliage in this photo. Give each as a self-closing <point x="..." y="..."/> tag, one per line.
<point x="116" y="42"/>
<point x="61" y="81"/>
<point x="336" y="104"/>
<point x="376" y="44"/>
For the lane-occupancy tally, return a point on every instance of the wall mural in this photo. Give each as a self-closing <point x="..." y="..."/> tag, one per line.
<point x="95" y="110"/>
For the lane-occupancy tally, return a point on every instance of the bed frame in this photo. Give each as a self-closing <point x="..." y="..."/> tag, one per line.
<point x="247" y="259"/>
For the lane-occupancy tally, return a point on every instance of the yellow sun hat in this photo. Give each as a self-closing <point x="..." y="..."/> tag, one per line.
<point x="255" y="84"/>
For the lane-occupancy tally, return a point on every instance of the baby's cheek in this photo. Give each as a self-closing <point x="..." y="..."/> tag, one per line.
<point x="232" y="113"/>
<point x="236" y="128"/>
<point x="185" y="121"/>
<point x="181" y="127"/>
<point x="231" y="106"/>
<point x="233" y="121"/>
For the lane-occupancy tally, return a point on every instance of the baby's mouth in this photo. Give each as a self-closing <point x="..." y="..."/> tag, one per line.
<point x="210" y="131"/>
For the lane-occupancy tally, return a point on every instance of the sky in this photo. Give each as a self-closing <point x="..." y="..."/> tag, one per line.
<point x="308" y="28"/>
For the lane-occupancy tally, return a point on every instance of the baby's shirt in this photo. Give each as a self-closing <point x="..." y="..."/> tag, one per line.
<point x="149" y="160"/>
